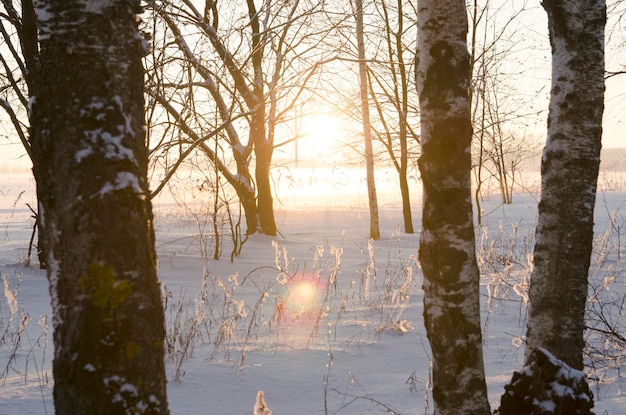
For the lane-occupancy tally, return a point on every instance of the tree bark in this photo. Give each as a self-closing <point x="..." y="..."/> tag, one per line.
<point x="404" y="104"/>
<point x="263" y="150"/>
<point x="263" y="146"/>
<point x="564" y="236"/>
<point x="447" y="246"/>
<point x="90" y="164"/>
<point x="406" y="201"/>
<point x="367" y="132"/>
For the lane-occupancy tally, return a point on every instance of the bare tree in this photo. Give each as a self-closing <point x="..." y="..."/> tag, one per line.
<point x="496" y="103"/>
<point x="19" y="74"/>
<point x="90" y="164"/>
<point x="233" y="74"/>
<point x="365" y="121"/>
<point x="615" y="41"/>
<point x="392" y="89"/>
<point x="20" y="66"/>
<point x="447" y="248"/>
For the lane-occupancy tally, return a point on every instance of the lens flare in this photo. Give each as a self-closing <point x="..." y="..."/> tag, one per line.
<point x="303" y="293"/>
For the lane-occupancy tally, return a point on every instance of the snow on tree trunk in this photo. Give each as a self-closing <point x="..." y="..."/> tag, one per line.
<point x="90" y="164"/>
<point x="447" y="248"/>
<point x="564" y="236"/>
<point x="546" y="386"/>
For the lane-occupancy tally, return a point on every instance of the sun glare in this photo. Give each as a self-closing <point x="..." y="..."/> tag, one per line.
<point x="321" y="135"/>
<point x="303" y="294"/>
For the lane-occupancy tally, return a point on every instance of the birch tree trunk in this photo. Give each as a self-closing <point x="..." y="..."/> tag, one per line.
<point x="367" y="132"/>
<point x="90" y="162"/>
<point x="564" y="236"/>
<point x="447" y="247"/>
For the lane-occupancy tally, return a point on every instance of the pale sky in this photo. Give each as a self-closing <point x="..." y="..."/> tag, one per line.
<point x="530" y="60"/>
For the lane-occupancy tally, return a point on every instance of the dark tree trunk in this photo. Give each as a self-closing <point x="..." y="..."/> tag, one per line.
<point x="564" y="236"/>
<point x="90" y="164"/>
<point x="447" y="247"/>
<point x="30" y="50"/>
<point x="28" y="40"/>
<point x="248" y="203"/>
<point x="404" y="192"/>
<point x="406" y="204"/>
<point x="263" y="150"/>
<point x="263" y="145"/>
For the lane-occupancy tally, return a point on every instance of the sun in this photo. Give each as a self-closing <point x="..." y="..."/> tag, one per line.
<point x="321" y="135"/>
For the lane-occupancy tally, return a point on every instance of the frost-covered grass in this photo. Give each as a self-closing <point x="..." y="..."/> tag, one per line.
<point x="320" y="319"/>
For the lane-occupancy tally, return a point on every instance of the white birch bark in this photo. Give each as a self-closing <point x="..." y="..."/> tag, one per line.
<point x="571" y="158"/>
<point x="447" y="247"/>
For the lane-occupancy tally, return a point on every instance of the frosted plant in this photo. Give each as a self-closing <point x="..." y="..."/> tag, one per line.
<point x="335" y="266"/>
<point x="10" y="296"/>
<point x="317" y="258"/>
<point x="260" y="407"/>
<point x="281" y="259"/>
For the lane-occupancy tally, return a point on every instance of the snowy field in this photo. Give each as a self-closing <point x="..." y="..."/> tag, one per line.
<point x="320" y="319"/>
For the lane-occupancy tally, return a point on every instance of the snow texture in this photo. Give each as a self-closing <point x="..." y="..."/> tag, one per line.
<point x="44" y="16"/>
<point x="112" y="142"/>
<point x="123" y="180"/>
<point x="354" y="360"/>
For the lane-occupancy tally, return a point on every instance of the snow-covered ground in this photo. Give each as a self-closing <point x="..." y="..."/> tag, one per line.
<point x="319" y="318"/>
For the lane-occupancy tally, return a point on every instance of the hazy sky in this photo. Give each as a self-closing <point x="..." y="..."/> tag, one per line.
<point x="529" y="51"/>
